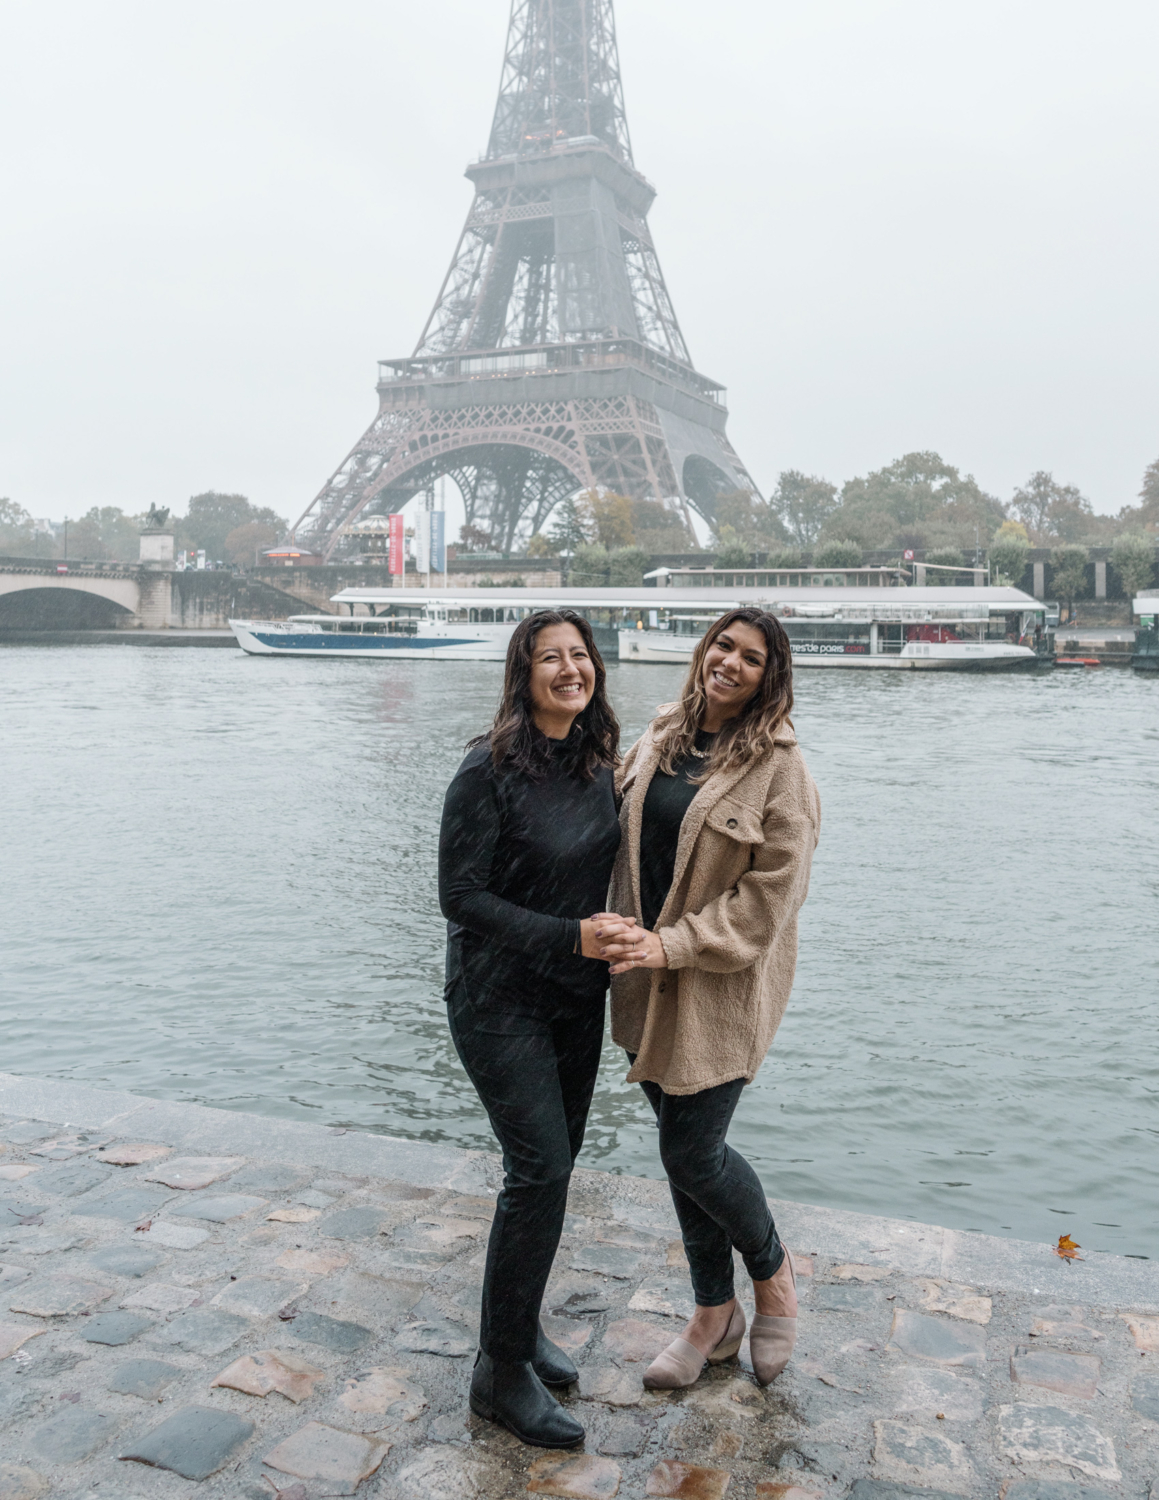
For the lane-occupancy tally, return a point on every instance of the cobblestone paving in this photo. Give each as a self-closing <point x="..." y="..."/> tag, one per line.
<point x="228" y="1324"/>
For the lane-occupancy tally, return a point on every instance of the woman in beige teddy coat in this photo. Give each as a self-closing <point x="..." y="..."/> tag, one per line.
<point x="719" y="820"/>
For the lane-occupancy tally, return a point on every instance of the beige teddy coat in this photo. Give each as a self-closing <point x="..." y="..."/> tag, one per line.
<point x="729" y="924"/>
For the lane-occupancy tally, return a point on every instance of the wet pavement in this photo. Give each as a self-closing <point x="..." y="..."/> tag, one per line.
<point x="200" y="1302"/>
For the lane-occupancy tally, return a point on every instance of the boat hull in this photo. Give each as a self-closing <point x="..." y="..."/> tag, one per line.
<point x="917" y="656"/>
<point x="457" y="641"/>
<point x="270" y="638"/>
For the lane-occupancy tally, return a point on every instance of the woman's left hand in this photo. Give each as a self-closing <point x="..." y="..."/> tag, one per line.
<point x="634" y="948"/>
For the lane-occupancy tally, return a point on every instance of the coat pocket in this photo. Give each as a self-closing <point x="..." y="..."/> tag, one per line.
<point x="736" y="821"/>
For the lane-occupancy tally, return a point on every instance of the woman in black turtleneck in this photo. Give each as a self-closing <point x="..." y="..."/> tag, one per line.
<point x="527" y="844"/>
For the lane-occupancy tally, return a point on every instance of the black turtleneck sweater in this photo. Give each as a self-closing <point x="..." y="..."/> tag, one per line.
<point x="521" y="862"/>
<point x="667" y="800"/>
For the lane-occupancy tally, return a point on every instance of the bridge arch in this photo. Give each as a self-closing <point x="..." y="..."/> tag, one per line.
<point x="49" y="601"/>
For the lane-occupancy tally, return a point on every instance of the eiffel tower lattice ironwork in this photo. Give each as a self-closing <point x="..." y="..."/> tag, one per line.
<point x="553" y="360"/>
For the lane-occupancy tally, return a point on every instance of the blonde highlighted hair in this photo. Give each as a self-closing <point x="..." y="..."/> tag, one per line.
<point x="749" y="736"/>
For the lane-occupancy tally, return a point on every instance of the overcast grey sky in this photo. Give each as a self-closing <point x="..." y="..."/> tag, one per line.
<point x="886" y="225"/>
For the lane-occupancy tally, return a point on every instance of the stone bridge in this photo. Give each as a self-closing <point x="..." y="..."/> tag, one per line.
<point x="43" y="594"/>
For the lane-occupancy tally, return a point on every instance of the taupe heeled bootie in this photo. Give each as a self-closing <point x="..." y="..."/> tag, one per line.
<point x="681" y="1363"/>
<point x="771" y="1340"/>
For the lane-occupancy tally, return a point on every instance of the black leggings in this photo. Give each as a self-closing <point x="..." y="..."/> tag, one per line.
<point x="719" y="1198"/>
<point x="535" y="1075"/>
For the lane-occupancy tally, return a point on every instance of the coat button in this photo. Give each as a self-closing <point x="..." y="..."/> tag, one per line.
<point x="662" y="985"/>
<point x="731" y="823"/>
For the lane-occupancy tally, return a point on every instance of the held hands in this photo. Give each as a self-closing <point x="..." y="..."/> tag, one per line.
<point x="621" y="943"/>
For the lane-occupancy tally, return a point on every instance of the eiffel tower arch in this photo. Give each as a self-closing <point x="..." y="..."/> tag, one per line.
<point x="552" y="360"/>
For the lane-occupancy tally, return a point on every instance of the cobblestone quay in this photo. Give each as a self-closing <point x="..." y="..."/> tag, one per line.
<point x="201" y="1302"/>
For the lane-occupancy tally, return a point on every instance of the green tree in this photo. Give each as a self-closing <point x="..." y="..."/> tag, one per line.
<point x="948" y="557"/>
<point x="1149" y="494"/>
<point x="106" y="534"/>
<point x="802" y="504"/>
<point x="742" y="516"/>
<point x="17" y="531"/>
<point x="783" y="557"/>
<point x="660" y="527"/>
<point x="1052" y="511"/>
<point x="212" y="516"/>
<point x="840" y="553"/>
<point x="1008" y="554"/>
<point x="734" y="554"/>
<point x="571" y="527"/>
<point x="245" y="543"/>
<point x="1144" y="516"/>
<point x="1133" y="559"/>
<point x="591" y="566"/>
<point x="919" y="500"/>
<point x="627" y="566"/>
<point x="1069" y="572"/>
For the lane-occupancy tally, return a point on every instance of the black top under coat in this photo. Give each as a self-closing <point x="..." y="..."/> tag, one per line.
<point x="667" y="800"/>
<point x="521" y="862"/>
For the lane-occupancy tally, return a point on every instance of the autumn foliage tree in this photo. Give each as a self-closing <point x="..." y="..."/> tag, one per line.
<point x="608" y="517"/>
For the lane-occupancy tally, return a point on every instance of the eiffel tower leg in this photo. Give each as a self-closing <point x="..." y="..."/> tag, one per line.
<point x="704" y="461"/>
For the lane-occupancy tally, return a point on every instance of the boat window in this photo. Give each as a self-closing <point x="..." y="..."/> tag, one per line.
<point x="474" y="614"/>
<point x="487" y="617"/>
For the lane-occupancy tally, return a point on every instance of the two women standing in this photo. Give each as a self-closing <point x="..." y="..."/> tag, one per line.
<point x="707" y="864"/>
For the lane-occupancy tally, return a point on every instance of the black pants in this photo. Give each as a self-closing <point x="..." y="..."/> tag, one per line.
<point x="535" y="1075"/>
<point x="719" y="1198"/>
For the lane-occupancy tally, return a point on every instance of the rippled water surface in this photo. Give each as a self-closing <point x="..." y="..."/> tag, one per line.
<point x="219" y="885"/>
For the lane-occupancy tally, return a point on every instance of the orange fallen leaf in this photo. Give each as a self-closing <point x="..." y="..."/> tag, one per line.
<point x="1066" y="1249"/>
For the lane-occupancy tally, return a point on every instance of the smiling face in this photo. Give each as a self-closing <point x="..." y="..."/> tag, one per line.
<point x="734" y="667"/>
<point x="563" y="678"/>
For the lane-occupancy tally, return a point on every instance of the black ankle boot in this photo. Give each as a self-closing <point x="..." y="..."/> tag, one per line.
<point x="553" y="1367"/>
<point x="514" y="1396"/>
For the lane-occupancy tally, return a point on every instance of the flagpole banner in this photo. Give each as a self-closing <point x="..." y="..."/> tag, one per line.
<point x="438" y="543"/>
<point x="397" y="545"/>
<point x="423" y="541"/>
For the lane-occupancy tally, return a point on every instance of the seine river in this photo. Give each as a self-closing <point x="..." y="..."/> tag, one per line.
<point x="219" y="885"/>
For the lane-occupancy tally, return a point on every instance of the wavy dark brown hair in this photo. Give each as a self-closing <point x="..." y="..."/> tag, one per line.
<point x="748" y="736"/>
<point x="516" y="744"/>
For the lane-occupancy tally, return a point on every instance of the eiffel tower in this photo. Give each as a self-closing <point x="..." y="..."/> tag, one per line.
<point x="553" y="360"/>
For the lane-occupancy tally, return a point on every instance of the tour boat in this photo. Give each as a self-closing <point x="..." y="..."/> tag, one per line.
<point x="923" y="629"/>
